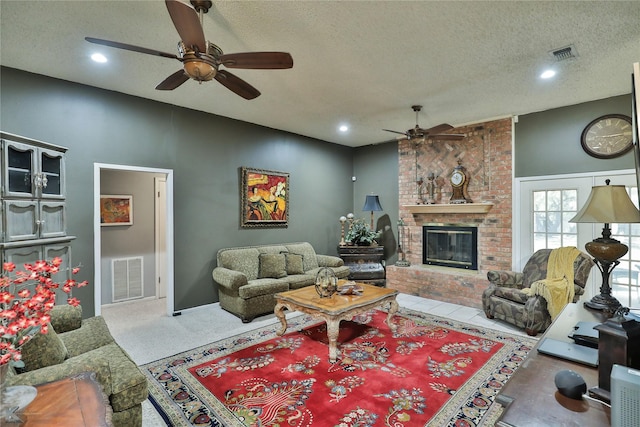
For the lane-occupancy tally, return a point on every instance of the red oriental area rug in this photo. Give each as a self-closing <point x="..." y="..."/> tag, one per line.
<point x="433" y="371"/>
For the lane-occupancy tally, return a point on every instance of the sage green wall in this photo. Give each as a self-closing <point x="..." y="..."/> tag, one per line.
<point x="204" y="151"/>
<point x="375" y="168"/>
<point x="548" y="142"/>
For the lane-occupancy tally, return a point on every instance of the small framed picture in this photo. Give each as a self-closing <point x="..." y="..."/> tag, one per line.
<point x="265" y="198"/>
<point x="116" y="210"/>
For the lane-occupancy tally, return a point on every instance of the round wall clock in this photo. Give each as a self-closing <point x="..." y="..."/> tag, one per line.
<point x="608" y="136"/>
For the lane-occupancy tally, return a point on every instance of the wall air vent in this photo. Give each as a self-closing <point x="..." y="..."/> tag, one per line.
<point x="564" y="53"/>
<point x="127" y="278"/>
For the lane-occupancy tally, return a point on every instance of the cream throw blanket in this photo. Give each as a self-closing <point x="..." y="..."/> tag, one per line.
<point x="557" y="289"/>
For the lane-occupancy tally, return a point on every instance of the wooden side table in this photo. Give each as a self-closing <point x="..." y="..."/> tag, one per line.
<point x="365" y="263"/>
<point x="76" y="401"/>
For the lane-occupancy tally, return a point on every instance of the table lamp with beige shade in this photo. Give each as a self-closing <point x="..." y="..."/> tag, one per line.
<point x="607" y="204"/>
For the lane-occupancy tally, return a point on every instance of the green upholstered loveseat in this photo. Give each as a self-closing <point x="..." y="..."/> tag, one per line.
<point x="72" y="346"/>
<point x="248" y="277"/>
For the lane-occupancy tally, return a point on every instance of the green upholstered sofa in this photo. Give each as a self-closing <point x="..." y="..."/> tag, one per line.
<point x="72" y="346"/>
<point x="248" y="277"/>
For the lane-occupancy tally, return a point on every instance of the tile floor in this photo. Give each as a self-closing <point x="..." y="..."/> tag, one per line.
<point x="144" y="330"/>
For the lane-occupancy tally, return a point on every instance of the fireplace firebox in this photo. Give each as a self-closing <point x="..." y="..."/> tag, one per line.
<point x="450" y="246"/>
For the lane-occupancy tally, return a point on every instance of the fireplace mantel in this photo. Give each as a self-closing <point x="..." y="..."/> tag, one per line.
<point x="450" y="208"/>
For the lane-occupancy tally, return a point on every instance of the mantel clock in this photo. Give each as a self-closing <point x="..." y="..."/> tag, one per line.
<point x="459" y="183"/>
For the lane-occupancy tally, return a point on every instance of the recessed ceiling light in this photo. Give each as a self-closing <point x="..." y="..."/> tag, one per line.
<point x="547" y="74"/>
<point x="98" y="57"/>
<point x="343" y="128"/>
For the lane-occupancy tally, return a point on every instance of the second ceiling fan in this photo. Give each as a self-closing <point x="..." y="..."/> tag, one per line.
<point x="202" y="59"/>
<point x="434" y="132"/>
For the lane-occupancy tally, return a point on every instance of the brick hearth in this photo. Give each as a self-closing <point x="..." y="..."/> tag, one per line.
<point x="486" y="154"/>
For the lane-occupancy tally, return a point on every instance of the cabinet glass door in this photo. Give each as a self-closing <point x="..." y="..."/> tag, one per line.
<point x="20" y="161"/>
<point x="51" y="178"/>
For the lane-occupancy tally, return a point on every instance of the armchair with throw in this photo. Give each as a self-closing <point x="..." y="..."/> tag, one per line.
<point x="531" y="299"/>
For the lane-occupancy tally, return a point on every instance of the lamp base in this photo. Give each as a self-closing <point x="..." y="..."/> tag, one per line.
<point x="603" y="303"/>
<point x="605" y="252"/>
<point x="403" y="263"/>
<point x="606" y="249"/>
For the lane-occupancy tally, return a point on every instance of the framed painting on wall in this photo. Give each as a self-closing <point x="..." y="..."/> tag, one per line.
<point x="116" y="210"/>
<point x="264" y="198"/>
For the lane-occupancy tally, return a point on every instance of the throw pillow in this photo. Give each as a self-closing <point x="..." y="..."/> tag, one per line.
<point x="294" y="263"/>
<point x="43" y="350"/>
<point x="272" y="266"/>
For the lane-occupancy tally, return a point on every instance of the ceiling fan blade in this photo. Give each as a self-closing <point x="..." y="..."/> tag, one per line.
<point x="173" y="81"/>
<point x="131" y="47"/>
<point x="439" y="128"/>
<point x="446" y="136"/>
<point x="237" y="85"/>
<point x="395" y="131"/>
<point x="185" y="19"/>
<point x="257" y="60"/>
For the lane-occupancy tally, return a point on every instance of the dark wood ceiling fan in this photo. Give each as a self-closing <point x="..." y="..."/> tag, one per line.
<point x="202" y="59"/>
<point x="432" y="133"/>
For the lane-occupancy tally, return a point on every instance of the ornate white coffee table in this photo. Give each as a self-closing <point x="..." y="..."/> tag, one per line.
<point x="335" y="309"/>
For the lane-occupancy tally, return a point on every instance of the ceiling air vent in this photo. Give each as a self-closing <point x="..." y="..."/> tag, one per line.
<point x="564" y="53"/>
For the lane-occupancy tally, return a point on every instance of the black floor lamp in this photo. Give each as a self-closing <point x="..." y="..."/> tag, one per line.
<point x="607" y="204"/>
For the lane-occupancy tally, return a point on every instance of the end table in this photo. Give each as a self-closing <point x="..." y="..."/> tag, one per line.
<point x="75" y="401"/>
<point x="365" y="263"/>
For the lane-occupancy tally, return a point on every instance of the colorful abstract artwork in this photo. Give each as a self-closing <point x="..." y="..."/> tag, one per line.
<point x="116" y="210"/>
<point x="265" y="198"/>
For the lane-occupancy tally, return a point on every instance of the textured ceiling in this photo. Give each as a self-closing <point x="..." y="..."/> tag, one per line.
<point x="358" y="62"/>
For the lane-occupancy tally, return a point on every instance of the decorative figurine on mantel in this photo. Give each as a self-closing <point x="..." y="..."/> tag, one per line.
<point x="420" y="184"/>
<point x="431" y="189"/>
<point x="459" y="182"/>
<point x="439" y="186"/>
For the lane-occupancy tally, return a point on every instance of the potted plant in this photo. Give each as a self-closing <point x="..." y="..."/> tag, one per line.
<point x="361" y="234"/>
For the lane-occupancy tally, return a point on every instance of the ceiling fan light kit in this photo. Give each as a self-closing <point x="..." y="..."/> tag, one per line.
<point x="201" y="59"/>
<point x="200" y="67"/>
<point x="199" y="70"/>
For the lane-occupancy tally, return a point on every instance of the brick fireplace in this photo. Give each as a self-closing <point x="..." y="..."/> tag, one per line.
<point x="486" y="155"/>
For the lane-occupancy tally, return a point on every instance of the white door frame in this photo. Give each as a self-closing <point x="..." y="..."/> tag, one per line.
<point x="97" y="243"/>
<point x="160" y="187"/>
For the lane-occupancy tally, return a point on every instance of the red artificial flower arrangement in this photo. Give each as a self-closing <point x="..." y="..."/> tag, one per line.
<point x="26" y="300"/>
